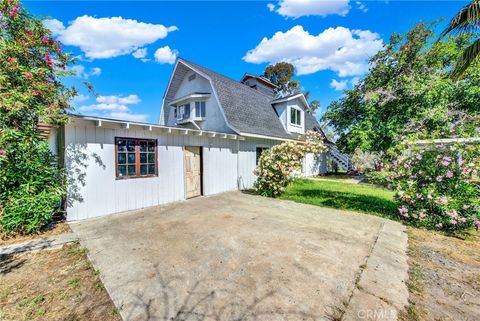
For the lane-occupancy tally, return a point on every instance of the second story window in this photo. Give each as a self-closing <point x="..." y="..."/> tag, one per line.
<point x="200" y="109"/>
<point x="183" y="112"/>
<point x="295" y="116"/>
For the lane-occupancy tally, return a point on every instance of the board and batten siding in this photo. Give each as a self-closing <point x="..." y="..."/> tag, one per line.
<point x="93" y="189"/>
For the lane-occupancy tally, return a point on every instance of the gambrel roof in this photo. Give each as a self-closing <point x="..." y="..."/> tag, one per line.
<point x="247" y="111"/>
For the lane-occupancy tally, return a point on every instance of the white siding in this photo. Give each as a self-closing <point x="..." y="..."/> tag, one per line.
<point x="93" y="189"/>
<point x="314" y="166"/>
<point x="247" y="160"/>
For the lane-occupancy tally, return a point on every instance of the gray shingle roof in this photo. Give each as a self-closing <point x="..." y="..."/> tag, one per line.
<point x="247" y="109"/>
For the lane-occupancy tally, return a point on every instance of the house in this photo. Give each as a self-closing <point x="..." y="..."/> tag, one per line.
<point x="211" y="133"/>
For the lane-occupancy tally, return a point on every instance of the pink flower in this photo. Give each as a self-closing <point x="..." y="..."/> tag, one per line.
<point x="439" y="179"/>
<point x="466" y="206"/>
<point x="439" y="225"/>
<point x="28" y="76"/>
<point x="445" y="162"/>
<point x="3" y="152"/>
<point x="29" y="33"/>
<point x="476" y="223"/>
<point x="403" y="211"/>
<point x="449" y="174"/>
<point x="453" y="222"/>
<point x="443" y="200"/>
<point x="45" y="40"/>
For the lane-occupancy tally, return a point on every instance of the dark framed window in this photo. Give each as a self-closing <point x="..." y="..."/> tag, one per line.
<point x="200" y="109"/>
<point x="259" y="152"/>
<point x="135" y="157"/>
<point x="295" y="116"/>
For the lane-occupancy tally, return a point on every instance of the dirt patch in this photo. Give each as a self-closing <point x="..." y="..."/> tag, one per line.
<point x="444" y="276"/>
<point x="53" y="229"/>
<point x="53" y="285"/>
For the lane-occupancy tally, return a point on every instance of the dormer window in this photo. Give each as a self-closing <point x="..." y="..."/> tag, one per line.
<point x="295" y="116"/>
<point x="200" y="109"/>
<point x="183" y="112"/>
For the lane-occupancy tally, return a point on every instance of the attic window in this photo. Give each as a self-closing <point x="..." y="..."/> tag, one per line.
<point x="192" y="77"/>
<point x="295" y="116"/>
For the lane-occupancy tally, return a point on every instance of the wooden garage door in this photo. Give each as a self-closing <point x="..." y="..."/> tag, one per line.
<point x="193" y="171"/>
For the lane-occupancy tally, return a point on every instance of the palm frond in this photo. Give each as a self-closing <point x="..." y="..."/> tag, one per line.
<point x="468" y="56"/>
<point x="466" y="20"/>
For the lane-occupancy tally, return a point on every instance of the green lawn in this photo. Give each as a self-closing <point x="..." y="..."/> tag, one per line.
<point x="342" y="195"/>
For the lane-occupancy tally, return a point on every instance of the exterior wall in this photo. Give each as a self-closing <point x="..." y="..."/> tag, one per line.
<point x="247" y="159"/>
<point x="283" y="111"/>
<point x="214" y="119"/>
<point x="93" y="189"/>
<point x="313" y="167"/>
<point x="252" y="82"/>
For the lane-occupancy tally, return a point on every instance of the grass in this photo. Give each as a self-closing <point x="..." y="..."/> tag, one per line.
<point x="341" y="195"/>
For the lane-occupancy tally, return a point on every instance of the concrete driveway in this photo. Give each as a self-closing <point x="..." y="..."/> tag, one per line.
<point x="241" y="257"/>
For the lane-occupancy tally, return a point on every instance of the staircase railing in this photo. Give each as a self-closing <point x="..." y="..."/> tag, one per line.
<point x="341" y="159"/>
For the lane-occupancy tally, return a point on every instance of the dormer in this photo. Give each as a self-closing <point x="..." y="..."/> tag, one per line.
<point x="259" y="83"/>
<point x="190" y="108"/>
<point x="291" y="111"/>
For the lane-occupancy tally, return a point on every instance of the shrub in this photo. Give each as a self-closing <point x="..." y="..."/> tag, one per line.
<point x="31" y="64"/>
<point x="436" y="186"/>
<point x="363" y="161"/>
<point x="378" y="178"/>
<point x="278" y="165"/>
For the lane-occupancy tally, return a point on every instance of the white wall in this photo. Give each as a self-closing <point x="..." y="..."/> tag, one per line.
<point x="93" y="189"/>
<point x="247" y="159"/>
<point x="214" y="119"/>
<point x="314" y="166"/>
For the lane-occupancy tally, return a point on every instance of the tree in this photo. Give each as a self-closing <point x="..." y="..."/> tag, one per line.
<point x="281" y="75"/>
<point x="407" y="92"/>
<point x="314" y="106"/>
<point x="467" y="20"/>
<point x="31" y="62"/>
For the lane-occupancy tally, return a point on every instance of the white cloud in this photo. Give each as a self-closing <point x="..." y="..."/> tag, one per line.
<point x="140" y="53"/>
<point x="80" y="98"/>
<point x="339" y="49"/>
<point x="299" y="8"/>
<point x="107" y="37"/>
<point x="165" y="55"/>
<point x="361" y="6"/>
<point x="81" y="72"/>
<point x="270" y="6"/>
<point x="115" y="107"/>
<point x="339" y="84"/>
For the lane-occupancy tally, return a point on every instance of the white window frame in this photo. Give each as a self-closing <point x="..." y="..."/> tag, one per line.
<point x="299" y="116"/>
<point x="180" y="112"/>
<point x="200" y="103"/>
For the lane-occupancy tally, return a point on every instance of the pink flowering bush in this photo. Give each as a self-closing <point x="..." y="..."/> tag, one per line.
<point x="278" y="165"/>
<point x="437" y="186"/>
<point x="32" y="64"/>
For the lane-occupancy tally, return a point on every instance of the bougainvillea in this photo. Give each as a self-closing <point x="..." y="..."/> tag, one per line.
<point x="280" y="164"/>
<point x="31" y="63"/>
<point x="437" y="185"/>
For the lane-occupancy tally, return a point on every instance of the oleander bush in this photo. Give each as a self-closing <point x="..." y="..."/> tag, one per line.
<point x="278" y="166"/>
<point x="437" y="186"/>
<point x="31" y="64"/>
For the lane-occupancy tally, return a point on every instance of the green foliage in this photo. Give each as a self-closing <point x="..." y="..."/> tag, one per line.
<point x="31" y="185"/>
<point x="278" y="166"/>
<point x="342" y="195"/>
<point x="407" y="90"/>
<point x="281" y="75"/>
<point x="436" y="186"/>
<point x="365" y="161"/>
<point x="467" y="21"/>
<point x="378" y="178"/>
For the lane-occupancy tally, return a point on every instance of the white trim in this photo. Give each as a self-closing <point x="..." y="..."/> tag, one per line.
<point x="162" y="112"/>
<point x="300" y="95"/>
<point x="188" y="98"/>
<point x="214" y="93"/>
<point x="147" y="126"/>
<point x="290" y="116"/>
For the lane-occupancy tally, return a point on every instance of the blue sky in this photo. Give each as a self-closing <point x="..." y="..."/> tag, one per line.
<point x="126" y="49"/>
